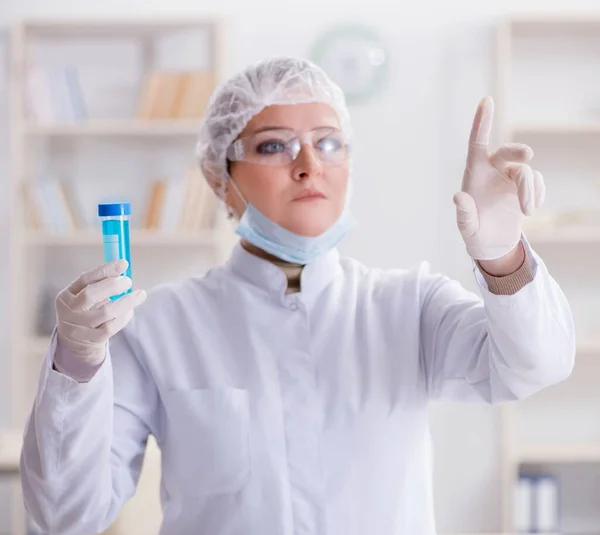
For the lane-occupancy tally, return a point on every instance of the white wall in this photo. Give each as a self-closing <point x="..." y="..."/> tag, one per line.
<point x="410" y="149"/>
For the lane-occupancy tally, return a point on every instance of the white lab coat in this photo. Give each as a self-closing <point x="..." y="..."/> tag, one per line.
<point x="300" y="414"/>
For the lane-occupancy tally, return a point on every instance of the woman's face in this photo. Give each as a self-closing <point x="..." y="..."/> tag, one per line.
<point x="304" y="195"/>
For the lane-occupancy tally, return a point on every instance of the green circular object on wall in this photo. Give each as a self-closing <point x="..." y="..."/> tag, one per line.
<point x="355" y="57"/>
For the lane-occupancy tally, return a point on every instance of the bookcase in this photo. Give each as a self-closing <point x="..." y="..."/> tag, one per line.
<point x="548" y="96"/>
<point x="104" y="110"/>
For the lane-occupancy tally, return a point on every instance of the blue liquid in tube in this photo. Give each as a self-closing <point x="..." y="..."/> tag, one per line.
<point x="115" y="235"/>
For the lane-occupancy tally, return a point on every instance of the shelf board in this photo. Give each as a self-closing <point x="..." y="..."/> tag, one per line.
<point x="558" y="235"/>
<point x="554" y="129"/>
<point x="37" y="345"/>
<point x="568" y="21"/>
<point x="588" y="345"/>
<point x="138" y="238"/>
<point x="10" y="450"/>
<point x="576" y="453"/>
<point x="118" y="128"/>
<point x="108" y="27"/>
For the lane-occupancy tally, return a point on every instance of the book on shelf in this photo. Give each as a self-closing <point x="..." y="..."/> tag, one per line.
<point x="45" y="317"/>
<point x="186" y="204"/>
<point x="537" y="507"/>
<point x="175" y="95"/>
<point x="183" y="205"/>
<point x="50" y="205"/>
<point x="54" y="95"/>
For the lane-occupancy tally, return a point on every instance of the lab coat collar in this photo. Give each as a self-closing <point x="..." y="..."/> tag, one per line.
<point x="267" y="276"/>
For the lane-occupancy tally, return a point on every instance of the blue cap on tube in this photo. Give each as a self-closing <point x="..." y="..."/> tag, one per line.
<point x="114" y="209"/>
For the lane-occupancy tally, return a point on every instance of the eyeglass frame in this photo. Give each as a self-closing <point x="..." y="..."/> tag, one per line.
<point x="235" y="151"/>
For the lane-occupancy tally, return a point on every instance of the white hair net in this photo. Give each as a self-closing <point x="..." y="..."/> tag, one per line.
<point x="276" y="81"/>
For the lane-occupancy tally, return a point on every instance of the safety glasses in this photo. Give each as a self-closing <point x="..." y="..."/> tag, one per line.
<point x="280" y="147"/>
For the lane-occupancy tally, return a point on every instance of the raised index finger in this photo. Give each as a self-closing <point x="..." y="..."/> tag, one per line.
<point x="111" y="269"/>
<point x="482" y="124"/>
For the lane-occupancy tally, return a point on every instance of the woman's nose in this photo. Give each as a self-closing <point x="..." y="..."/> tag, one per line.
<point x="306" y="164"/>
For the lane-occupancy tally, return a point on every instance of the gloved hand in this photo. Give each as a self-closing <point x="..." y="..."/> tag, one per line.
<point x="498" y="189"/>
<point x="87" y="318"/>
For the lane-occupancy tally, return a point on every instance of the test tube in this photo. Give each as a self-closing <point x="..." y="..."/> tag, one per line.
<point x="115" y="234"/>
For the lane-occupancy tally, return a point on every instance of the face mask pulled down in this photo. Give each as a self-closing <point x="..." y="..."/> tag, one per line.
<point x="260" y="231"/>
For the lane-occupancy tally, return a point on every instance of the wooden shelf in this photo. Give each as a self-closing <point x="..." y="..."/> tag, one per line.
<point x="37" y="345"/>
<point x="555" y="129"/>
<point x="514" y="533"/>
<point x="588" y="345"/>
<point x="564" y="235"/>
<point x="10" y="450"/>
<point x="118" y="128"/>
<point x="494" y="533"/>
<point x="576" y="453"/>
<point x="525" y="47"/>
<point x="544" y="533"/>
<point x="138" y="238"/>
<point x="39" y="149"/>
<point x="111" y="27"/>
<point x="566" y="20"/>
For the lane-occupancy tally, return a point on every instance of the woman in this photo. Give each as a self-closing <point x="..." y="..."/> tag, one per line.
<point x="288" y="388"/>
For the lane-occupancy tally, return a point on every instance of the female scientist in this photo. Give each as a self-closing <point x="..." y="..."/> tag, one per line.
<point x="288" y="388"/>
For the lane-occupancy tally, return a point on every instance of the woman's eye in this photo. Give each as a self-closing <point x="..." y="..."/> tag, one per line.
<point x="329" y="144"/>
<point x="270" y="147"/>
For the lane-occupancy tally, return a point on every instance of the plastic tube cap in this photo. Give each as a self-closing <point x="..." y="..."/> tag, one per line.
<point x="114" y="209"/>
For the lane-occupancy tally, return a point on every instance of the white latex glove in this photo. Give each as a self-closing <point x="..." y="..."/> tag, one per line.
<point x="87" y="318"/>
<point x="498" y="189"/>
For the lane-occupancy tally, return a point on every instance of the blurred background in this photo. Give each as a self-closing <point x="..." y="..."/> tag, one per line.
<point x="101" y="101"/>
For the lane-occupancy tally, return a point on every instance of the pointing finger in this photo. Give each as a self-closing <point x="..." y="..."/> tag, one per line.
<point x="481" y="130"/>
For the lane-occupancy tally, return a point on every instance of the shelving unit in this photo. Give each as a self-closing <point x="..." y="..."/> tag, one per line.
<point x="80" y="149"/>
<point x="571" y="453"/>
<point x="116" y="128"/>
<point x="565" y="236"/>
<point x="547" y="96"/>
<point x="139" y="238"/>
<point x="554" y="129"/>
<point x="10" y="445"/>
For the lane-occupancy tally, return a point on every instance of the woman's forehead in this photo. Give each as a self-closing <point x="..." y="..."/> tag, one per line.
<point x="299" y="117"/>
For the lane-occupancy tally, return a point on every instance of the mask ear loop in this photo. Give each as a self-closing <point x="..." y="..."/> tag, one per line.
<point x="230" y="211"/>
<point x="235" y="152"/>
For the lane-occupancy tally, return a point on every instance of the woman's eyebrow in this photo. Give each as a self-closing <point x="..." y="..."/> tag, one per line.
<point x="266" y="128"/>
<point x="287" y="129"/>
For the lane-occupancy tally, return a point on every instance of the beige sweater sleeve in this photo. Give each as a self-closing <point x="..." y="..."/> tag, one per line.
<point x="510" y="284"/>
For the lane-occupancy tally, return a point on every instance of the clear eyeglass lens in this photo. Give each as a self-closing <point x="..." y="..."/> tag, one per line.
<point x="281" y="147"/>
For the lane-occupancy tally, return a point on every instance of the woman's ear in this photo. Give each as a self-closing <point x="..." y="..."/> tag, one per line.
<point x="230" y="211"/>
<point x="229" y="199"/>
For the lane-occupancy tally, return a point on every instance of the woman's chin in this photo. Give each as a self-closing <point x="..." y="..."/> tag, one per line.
<point x="305" y="228"/>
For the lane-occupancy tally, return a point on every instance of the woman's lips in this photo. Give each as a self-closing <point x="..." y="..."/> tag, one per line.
<point x="309" y="195"/>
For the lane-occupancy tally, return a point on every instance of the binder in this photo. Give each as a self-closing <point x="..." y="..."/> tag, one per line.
<point x="537" y="505"/>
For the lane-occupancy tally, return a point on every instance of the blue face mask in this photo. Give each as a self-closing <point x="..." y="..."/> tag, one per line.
<point x="260" y="231"/>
